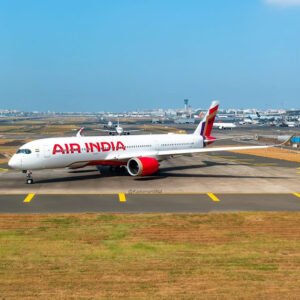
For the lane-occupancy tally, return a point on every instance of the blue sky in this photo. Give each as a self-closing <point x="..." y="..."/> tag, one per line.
<point x="118" y="55"/>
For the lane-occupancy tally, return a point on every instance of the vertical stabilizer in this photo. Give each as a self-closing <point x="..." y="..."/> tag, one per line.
<point x="205" y="126"/>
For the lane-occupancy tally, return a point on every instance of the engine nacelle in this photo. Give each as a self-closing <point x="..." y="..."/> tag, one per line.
<point x="142" y="166"/>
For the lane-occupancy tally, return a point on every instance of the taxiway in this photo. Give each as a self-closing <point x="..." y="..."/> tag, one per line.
<point x="202" y="183"/>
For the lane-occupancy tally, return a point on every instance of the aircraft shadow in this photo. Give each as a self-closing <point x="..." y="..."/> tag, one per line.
<point x="162" y="175"/>
<point x="190" y="167"/>
<point x="69" y="179"/>
<point x="83" y="171"/>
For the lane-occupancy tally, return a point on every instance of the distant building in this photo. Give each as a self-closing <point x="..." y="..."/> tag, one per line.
<point x="293" y="113"/>
<point x="184" y="121"/>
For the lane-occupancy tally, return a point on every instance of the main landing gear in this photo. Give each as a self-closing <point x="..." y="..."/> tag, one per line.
<point x="118" y="169"/>
<point x="29" y="179"/>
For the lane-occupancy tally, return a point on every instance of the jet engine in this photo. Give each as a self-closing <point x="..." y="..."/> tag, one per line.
<point x="142" y="166"/>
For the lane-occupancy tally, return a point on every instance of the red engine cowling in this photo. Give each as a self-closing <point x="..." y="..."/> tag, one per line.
<point x="142" y="166"/>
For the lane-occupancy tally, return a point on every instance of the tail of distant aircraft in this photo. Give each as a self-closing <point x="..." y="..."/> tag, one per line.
<point x="205" y="126"/>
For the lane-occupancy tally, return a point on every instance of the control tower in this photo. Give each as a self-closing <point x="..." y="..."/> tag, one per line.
<point x="186" y="103"/>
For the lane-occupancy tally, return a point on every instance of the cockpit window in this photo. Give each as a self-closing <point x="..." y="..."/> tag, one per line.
<point x="24" y="151"/>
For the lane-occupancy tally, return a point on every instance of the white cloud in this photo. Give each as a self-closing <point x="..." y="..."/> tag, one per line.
<point x="283" y="2"/>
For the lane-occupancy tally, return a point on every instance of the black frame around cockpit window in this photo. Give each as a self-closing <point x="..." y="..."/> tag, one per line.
<point x="24" y="151"/>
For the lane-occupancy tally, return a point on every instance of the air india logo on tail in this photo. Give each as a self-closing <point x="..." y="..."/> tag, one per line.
<point x="207" y="124"/>
<point x="87" y="147"/>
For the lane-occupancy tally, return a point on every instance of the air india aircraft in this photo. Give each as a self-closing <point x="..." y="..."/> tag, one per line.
<point x="139" y="154"/>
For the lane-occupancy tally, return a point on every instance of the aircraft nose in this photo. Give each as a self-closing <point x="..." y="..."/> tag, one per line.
<point x="15" y="162"/>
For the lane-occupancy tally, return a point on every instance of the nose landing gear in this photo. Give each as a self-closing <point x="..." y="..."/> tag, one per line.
<point x="29" y="179"/>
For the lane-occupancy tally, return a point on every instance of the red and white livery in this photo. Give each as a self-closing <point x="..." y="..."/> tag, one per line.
<point x="140" y="154"/>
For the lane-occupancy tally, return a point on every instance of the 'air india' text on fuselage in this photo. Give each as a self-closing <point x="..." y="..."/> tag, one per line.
<point x="88" y="147"/>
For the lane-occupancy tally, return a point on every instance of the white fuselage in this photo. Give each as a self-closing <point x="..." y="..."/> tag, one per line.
<point x="76" y="152"/>
<point x="221" y="125"/>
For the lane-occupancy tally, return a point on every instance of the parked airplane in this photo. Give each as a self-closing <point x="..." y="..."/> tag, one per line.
<point x="140" y="154"/>
<point x="247" y="121"/>
<point x="109" y="125"/>
<point x="118" y="130"/>
<point x="221" y="125"/>
<point x="291" y="124"/>
<point x="258" y="118"/>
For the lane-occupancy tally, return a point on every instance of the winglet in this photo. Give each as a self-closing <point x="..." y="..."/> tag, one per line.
<point x="78" y="134"/>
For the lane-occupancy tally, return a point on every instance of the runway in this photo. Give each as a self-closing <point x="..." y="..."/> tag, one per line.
<point x="143" y="203"/>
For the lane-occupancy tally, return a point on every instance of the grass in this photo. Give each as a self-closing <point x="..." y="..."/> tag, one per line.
<point x="217" y="256"/>
<point x="277" y="153"/>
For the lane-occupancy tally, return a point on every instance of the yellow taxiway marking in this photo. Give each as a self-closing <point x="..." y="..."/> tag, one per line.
<point x="28" y="198"/>
<point x="297" y="194"/>
<point x="213" y="197"/>
<point x="3" y="170"/>
<point x="122" y="197"/>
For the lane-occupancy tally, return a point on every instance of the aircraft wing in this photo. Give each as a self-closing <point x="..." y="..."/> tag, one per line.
<point x="203" y="150"/>
<point x="227" y="138"/>
<point x="133" y="130"/>
<point x="103" y="130"/>
<point x="125" y="156"/>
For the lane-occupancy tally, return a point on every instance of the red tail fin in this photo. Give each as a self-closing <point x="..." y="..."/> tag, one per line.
<point x="206" y="125"/>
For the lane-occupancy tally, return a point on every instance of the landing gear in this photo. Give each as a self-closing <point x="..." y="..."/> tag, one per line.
<point x="29" y="179"/>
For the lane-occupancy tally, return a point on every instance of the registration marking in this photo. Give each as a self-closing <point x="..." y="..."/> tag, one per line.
<point x="28" y="198"/>
<point x="213" y="197"/>
<point x="122" y="197"/>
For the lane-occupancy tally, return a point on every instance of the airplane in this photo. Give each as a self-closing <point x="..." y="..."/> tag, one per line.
<point x="118" y="130"/>
<point x="269" y="117"/>
<point x="109" y="125"/>
<point x="221" y="125"/>
<point x="139" y="154"/>
<point x="257" y="118"/>
<point x="247" y="121"/>
<point x="290" y="124"/>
